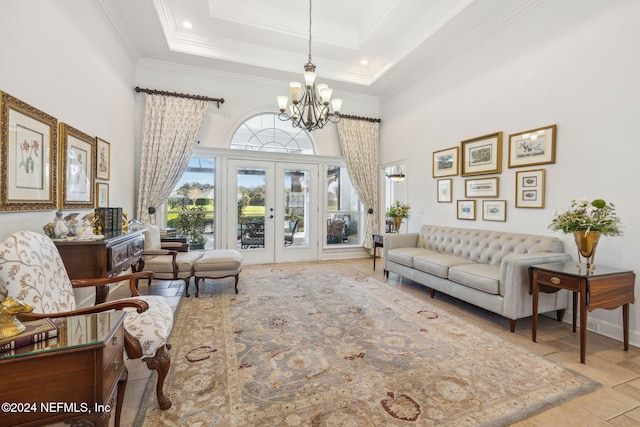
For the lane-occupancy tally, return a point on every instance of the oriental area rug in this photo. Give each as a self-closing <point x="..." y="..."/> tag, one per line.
<point x="313" y="344"/>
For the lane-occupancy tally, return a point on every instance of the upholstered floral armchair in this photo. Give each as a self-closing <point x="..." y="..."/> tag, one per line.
<point x="31" y="270"/>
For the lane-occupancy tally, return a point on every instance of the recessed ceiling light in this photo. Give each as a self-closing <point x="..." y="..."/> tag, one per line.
<point x="187" y="24"/>
<point x="364" y="62"/>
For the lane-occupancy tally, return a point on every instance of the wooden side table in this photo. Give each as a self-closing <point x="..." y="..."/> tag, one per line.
<point x="79" y="376"/>
<point x="605" y="287"/>
<point x="378" y="242"/>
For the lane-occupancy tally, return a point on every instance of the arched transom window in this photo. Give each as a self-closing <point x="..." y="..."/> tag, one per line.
<point x="265" y="132"/>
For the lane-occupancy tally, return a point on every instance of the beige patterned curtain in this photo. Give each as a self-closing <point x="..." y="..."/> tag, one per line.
<point x="359" y="143"/>
<point x="170" y="132"/>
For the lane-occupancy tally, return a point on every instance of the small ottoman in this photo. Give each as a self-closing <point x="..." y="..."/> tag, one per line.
<point x="217" y="264"/>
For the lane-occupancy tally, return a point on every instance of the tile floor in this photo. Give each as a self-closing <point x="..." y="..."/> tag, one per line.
<point x="617" y="403"/>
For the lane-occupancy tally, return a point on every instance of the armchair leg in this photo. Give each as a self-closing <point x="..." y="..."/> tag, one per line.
<point x="161" y="362"/>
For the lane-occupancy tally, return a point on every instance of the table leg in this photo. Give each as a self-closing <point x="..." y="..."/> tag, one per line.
<point x="374" y="256"/>
<point x="625" y="325"/>
<point x="583" y="324"/>
<point x="535" y="290"/>
<point x="575" y="310"/>
<point x="122" y="385"/>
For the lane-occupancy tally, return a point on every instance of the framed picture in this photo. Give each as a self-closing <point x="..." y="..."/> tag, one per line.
<point x="103" y="159"/>
<point x="445" y="162"/>
<point x="78" y="168"/>
<point x="533" y="147"/>
<point x="102" y="195"/>
<point x="28" y="157"/>
<point x="444" y="190"/>
<point x="486" y="187"/>
<point x="467" y="209"/>
<point x="530" y="189"/>
<point x="494" y="210"/>
<point x="482" y="155"/>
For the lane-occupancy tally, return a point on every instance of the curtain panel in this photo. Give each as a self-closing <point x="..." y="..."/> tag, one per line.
<point x="170" y="133"/>
<point x="359" y="144"/>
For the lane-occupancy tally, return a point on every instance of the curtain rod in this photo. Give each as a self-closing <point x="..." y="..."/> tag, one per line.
<point x="364" y="119"/>
<point x="218" y="101"/>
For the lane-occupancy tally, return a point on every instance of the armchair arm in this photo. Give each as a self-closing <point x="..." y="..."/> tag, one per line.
<point x="175" y="243"/>
<point x="138" y="304"/>
<point x="132" y="278"/>
<point x="159" y="252"/>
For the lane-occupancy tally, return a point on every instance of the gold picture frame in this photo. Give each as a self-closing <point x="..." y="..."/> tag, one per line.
<point x="28" y="157"/>
<point x="102" y="195"/>
<point x="530" y="188"/>
<point x="482" y="155"/>
<point x="481" y="187"/>
<point x="494" y="210"/>
<point x="103" y="159"/>
<point x="78" y="169"/>
<point x="445" y="190"/>
<point x="445" y="162"/>
<point x="533" y="147"/>
<point x="466" y="209"/>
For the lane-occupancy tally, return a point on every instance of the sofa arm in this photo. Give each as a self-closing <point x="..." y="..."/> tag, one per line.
<point x="514" y="284"/>
<point x="398" y="240"/>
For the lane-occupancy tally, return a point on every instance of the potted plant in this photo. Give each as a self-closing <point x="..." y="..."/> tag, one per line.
<point x="397" y="212"/>
<point x="335" y="230"/>
<point x="190" y="224"/>
<point x="588" y="221"/>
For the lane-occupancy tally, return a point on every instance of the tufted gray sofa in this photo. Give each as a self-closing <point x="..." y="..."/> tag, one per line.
<point x="486" y="268"/>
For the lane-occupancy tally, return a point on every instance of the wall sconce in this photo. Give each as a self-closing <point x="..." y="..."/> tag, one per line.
<point x="397" y="177"/>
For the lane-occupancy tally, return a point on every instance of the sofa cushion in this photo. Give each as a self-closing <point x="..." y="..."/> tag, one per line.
<point x="438" y="264"/>
<point x="482" y="277"/>
<point x="405" y="256"/>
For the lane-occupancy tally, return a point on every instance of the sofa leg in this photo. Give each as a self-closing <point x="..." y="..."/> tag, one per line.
<point x="432" y="292"/>
<point x="560" y="314"/>
<point x="512" y="325"/>
<point x="236" y="285"/>
<point x="161" y="362"/>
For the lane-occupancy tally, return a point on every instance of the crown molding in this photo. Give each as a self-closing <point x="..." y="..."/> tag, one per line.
<point x="472" y="38"/>
<point x="188" y="71"/>
<point x="279" y="21"/>
<point x="115" y="23"/>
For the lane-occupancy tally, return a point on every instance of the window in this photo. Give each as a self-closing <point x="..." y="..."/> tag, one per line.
<point x="343" y="208"/>
<point x="266" y="132"/>
<point x="194" y="196"/>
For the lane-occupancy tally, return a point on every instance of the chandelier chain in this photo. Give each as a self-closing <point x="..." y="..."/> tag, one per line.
<point x="309" y="31"/>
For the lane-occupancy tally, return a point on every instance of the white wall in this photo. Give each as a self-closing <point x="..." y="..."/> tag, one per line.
<point x="573" y="63"/>
<point x="60" y="57"/>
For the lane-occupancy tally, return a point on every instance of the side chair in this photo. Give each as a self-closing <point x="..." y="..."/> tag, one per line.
<point x="32" y="271"/>
<point x="168" y="259"/>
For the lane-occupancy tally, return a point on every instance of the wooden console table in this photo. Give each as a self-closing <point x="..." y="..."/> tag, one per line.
<point x="78" y="376"/>
<point x="605" y="287"/>
<point x="108" y="257"/>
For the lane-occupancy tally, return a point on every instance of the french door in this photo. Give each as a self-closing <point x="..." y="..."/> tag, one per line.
<point x="277" y="207"/>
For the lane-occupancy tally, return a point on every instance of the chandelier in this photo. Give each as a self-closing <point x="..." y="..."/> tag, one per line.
<point x="311" y="106"/>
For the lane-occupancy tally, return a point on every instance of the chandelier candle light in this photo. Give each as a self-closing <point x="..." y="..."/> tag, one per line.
<point x="312" y="106"/>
